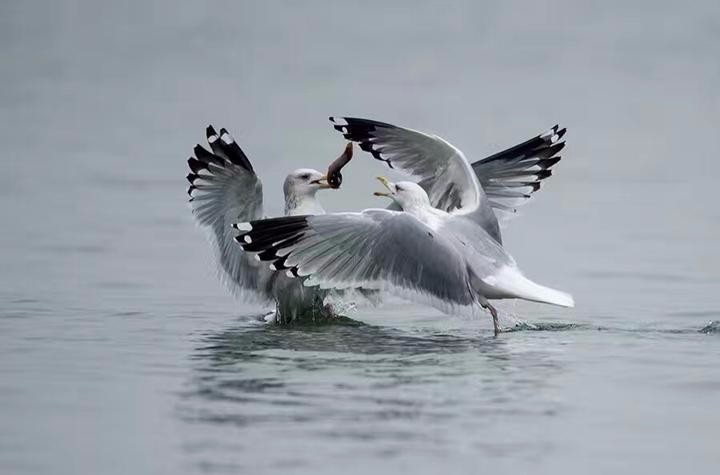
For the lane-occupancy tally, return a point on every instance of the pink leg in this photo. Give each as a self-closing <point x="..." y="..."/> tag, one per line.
<point x="493" y="312"/>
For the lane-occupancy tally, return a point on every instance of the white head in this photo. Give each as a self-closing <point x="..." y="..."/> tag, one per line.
<point x="408" y="195"/>
<point x="304" y="182"/>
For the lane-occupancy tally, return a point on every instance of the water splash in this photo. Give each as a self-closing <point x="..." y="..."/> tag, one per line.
<point x="713" y="327"/>
<point x="544" y="326"/>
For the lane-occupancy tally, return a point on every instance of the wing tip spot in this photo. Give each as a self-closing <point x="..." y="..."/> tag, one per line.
<point x="242" y="226"/>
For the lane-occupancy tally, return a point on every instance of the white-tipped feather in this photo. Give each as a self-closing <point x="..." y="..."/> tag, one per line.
<point x="549" y="134"/>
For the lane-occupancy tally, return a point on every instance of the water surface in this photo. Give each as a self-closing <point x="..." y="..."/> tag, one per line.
<point x="121" y="353"/>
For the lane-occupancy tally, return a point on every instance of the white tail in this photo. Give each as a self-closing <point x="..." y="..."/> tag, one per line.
<point x="510" y="281"/>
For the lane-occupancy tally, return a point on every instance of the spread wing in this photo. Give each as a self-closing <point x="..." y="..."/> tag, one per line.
<point x="437" y="165"/>
<point x="510" y="177"/>
<point x="375" y="250"/>
<point x="440" y="168"/>
<point x="223" y="190"/>
<point x="505" y="180"/>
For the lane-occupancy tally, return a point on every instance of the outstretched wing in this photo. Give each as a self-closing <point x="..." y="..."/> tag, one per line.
<point x="510" y="177"/>
<point x="375" y="249"/>
<point x="438" y="166"/>
<point x="224" y="190"/>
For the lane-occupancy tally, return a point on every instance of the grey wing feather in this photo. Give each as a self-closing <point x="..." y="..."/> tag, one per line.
<point x="224" y="190"/>
<point x="506" y="179"/>
<point x="375" y="249"/>
<point x="439" y="167"/>
<point x="511" y="176"/>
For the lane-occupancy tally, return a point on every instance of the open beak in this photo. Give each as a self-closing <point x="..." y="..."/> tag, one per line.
<point x="322" y="181"/>
<point x="386" y="183"/>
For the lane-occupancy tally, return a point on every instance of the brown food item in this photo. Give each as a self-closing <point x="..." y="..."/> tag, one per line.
<point x="334" y="177"/>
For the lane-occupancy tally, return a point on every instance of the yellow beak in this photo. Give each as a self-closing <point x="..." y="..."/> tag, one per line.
<point x="323" y="182"/>
<point x="386" y="183"/>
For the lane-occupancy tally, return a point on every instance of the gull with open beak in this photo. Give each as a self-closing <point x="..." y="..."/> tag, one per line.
<point x="224" y="189"/>
<point x="421" y="253"/>
<point x="387" y="184"/>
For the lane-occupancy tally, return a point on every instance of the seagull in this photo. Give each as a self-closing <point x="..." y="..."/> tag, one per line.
<point x="422" y="253"/>
<point x="224" y="189"/>
<point x="487" y="191"/>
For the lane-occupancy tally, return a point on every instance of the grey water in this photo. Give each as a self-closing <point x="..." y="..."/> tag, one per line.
<point x="120" y="352"/>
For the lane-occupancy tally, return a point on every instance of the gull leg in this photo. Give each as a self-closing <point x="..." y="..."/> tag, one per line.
<point x="493" y="312"/>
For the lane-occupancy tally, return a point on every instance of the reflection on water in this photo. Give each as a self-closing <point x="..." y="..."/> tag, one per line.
<point x="394" y="394"/>
<point x="369" y="384"/>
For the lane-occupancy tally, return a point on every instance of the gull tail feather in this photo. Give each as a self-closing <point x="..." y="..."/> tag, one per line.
<point x="512" y="282"/>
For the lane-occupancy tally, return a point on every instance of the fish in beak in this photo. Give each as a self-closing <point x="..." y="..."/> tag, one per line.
<point x="333" y="176"/>
<point x="387" y="184"/>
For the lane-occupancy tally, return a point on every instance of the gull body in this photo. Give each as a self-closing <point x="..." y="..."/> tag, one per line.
<point x="447" y="260"/>
<point x="506" y="282"/>
<point x="225" y="189"/>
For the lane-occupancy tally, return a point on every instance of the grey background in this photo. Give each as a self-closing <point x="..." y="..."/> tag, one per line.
<point x="108" y="300"/>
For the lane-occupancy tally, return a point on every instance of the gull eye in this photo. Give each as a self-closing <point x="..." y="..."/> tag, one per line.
<point x="398" y="188"/>
<point x="305" y="176"/>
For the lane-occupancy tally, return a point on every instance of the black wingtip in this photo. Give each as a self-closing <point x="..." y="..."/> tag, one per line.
<point x="199" y="151"/>
<point x="561" y="132"/>
<point x="280" y="264"/>
<point x="196" y="165"/>
<point x="542" y="174"/>
<point x="210" y="131"/>
<point x="546" y="163"/>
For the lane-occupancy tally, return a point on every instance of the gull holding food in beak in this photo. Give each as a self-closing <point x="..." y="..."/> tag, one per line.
<point x="224" y="189"/>
<point x="421" y="253"/>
